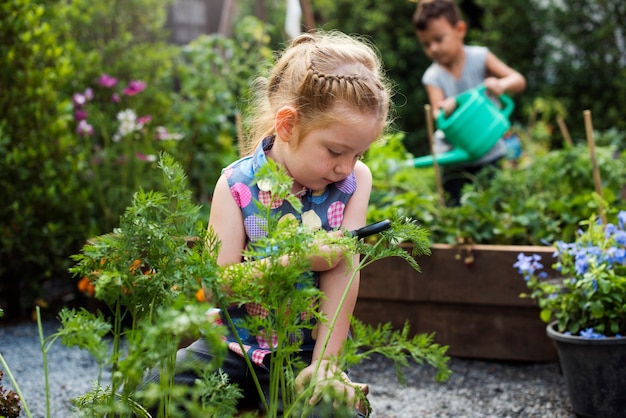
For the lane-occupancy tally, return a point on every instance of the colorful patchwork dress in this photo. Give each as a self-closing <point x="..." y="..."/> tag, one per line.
<point x="323" y="209"/>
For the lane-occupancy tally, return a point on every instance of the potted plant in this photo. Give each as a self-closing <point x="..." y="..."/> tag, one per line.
<point x="586" y="312"/>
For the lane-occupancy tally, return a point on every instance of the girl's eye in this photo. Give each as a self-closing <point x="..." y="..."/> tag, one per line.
<point x="334" y="153"/>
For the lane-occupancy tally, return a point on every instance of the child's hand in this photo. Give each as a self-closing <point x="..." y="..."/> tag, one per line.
<point x="494" y="86"/>
<point x="327" y="377"/>
<point x="448" y="105"/>
<point x="328" y="255"/>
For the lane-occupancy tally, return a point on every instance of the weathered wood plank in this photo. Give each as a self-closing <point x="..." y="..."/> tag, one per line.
<point x="476" y="309"/>
<point x="490" y="279"/>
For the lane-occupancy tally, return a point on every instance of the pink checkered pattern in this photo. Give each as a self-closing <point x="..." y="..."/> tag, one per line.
<point x="262" y="341"/>
<point x="266" y="199"/>
<point x="254" y="309"/>
<point x="236" y="348"/>
<point x="335" y="214"/>
<point x="258" y="356"/>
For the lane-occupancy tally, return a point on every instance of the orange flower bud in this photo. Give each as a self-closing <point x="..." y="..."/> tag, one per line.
<point x="136" y="264"/>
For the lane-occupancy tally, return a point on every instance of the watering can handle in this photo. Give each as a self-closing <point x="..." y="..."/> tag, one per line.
<point x="507" y="103"/>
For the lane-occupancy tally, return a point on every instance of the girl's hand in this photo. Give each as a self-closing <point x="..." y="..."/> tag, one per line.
<point x="327" y="378"/>
<point x="328" y="255"/>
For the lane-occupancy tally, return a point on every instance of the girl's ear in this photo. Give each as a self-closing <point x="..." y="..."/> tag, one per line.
<point x="285" y="122"/>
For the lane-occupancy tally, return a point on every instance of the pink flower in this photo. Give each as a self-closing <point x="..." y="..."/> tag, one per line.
<point x="88" y="93"/>
<point x="79" y="99"/>
<point x="144" y="157"/>
<point x="115" y="98"/>
<point x="143" y="120"/>
<point x="80" y="114"/>
<point x="84" y="129"/>
<point x="134" y="87"/>
<point x="161" y="134"/>
<point x="107" y="81"/>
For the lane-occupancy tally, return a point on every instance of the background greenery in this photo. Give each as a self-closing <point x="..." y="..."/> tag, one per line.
<point x="571" y="54"/>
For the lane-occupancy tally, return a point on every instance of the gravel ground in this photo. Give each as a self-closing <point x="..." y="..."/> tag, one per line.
<point x="477" y="389"/>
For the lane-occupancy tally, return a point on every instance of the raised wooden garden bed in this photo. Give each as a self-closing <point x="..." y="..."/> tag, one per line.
<point x="473" y="308"/>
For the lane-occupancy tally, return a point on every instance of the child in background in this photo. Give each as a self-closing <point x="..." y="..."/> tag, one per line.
<point x="322" y="106"/>
<point x="456" y="68"/>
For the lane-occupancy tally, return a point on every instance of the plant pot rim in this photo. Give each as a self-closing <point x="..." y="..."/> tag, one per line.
<point x="575" y="339"/>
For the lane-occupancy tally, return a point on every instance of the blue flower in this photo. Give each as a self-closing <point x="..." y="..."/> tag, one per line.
<point x="593" y="285"/>
<point x="528" y="265"/>
<point x="620" y="237"/>
<point x="621" y="219"/>
<point x="591" y="334"/>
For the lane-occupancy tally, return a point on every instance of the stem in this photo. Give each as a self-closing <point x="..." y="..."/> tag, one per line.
<point x="333" y="322"/>
<point x="116" y="350"/>
<point x="15" y="385"/>
<point x="246" y="358"/>
<point x="44" y="352"/>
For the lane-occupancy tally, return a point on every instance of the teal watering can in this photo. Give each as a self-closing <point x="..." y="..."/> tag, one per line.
<point x="472" y="129"/>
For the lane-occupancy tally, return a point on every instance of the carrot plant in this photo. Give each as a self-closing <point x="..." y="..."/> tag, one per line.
<point x="148" y="272"/>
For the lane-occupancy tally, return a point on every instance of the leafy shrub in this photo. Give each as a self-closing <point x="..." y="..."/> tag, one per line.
<point x="540" y="201"/>
<point x="63" y="185"/>
<point x="117" y="147"/>
<point x="213" y="75"/>
<point x="41" y="216"/>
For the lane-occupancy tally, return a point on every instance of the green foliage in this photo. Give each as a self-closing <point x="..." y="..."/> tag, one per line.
<point x="41" y="211"/>
<point x="109" y="36"/>
<point x="397" y="345"/>
<point x="116" y="143"/>
<point x="146" y="271"/>
<point x="542" y="199"/>
<point x="588" y="72"/>
<point x="589" y="301"/>
<point x="61" y="187"/>
<point x="213" y="74"/>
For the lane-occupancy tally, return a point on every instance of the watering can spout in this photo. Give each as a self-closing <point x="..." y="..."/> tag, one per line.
<point x="454" y="156"/>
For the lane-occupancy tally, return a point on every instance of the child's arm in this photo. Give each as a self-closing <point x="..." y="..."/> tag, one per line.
<point x="438" y="101"/>
<point x="333" y="284"/>
<point x="227" y="223"/>
<point x="501" y="78"/>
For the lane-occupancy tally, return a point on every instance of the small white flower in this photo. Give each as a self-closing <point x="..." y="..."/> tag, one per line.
<point x="128" y="123"/>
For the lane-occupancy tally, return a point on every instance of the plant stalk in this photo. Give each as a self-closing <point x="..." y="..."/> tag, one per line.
<point x="15" y="385"/>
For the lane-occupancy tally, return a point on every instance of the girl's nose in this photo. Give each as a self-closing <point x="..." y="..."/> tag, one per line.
<point x="345" y="166"/>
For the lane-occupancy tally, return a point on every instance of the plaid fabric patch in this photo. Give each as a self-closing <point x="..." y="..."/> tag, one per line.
<point x="254" y="309"/>
<point x="266" y="199"/>
<point x="255" y="226"/>
<point x="263" y="341"/>
<point x="335" y="214"/>
<point x="258" y="356"/>
<point x="235" y="348"/>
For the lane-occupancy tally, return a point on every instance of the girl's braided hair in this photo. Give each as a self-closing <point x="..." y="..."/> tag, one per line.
<point x="313" y="74"/>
